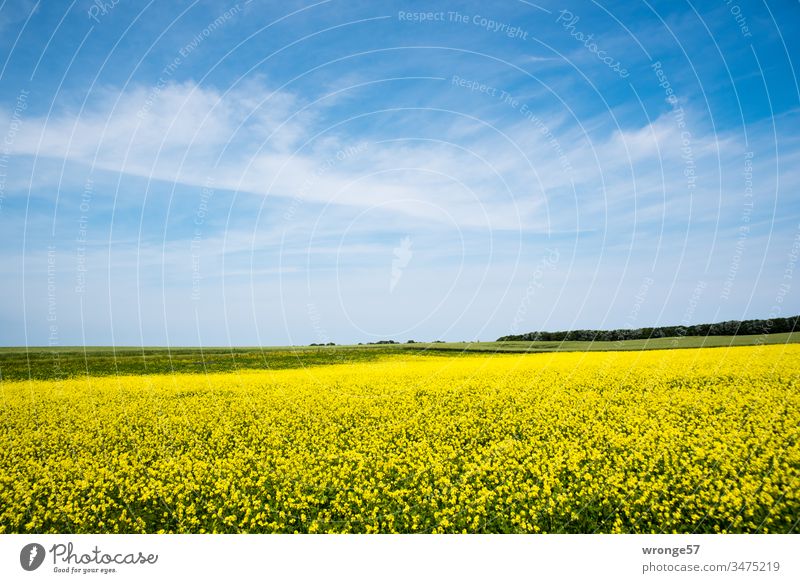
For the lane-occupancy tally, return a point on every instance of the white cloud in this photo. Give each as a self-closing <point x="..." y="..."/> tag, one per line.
<point x="519" y="175"/>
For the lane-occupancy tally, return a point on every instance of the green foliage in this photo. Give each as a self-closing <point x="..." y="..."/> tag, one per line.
<point x="66" y="362"/>
<point x="728" y="328"/>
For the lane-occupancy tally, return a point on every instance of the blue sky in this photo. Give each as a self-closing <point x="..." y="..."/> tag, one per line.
<point x="271" y="173"/>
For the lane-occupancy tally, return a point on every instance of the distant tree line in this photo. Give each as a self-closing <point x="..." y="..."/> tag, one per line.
<point x="728" y="328"/>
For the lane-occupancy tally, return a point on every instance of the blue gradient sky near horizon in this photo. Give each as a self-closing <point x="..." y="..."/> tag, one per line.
<point x="264" y="173"/>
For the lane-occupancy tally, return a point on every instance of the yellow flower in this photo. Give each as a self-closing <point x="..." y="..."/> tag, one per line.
<point x="659" y="441"/>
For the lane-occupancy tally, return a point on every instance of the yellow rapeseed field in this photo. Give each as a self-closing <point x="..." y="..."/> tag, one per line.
<point x="702" y="440"/>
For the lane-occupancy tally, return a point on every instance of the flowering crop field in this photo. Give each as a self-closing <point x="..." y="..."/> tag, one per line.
<point x="695" y="440"/>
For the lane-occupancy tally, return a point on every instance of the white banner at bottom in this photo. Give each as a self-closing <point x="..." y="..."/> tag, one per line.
<point x="153" y="558"/>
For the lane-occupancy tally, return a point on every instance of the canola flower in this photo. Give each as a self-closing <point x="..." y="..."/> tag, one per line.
<point x="702" y="440"/>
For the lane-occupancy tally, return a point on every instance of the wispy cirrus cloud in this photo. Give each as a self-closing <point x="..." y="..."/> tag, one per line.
<point x="518" y="174"/>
